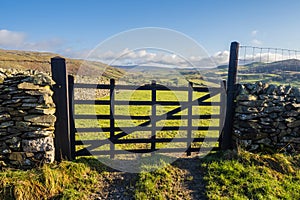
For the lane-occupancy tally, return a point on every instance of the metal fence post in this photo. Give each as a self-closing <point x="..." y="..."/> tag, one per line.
<point x="232" y="73"/>
<point x="61" y="100"/>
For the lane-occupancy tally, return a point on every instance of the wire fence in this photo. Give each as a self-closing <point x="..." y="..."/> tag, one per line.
<point x="272" y="65"/>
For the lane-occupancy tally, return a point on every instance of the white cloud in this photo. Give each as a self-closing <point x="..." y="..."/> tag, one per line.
<point x="11" y="38"/>
<point x="158" y="58"/>
<point x="256" y="42"/>
<point x="18" y="40"/>
<point x="254" y="32"/>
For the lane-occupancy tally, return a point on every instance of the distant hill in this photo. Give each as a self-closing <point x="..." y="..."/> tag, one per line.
<point x="284" y="65"/>
<point x="41" y="61"/>
<point x="279" y="72"/>
<point x="259" y="67"/>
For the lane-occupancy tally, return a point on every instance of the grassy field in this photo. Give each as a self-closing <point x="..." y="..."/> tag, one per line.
<point x="141" y="110"/>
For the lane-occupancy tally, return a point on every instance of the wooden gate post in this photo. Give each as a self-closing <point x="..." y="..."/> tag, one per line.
<point x="71" y="114"/>
<point x="232" y="73"/>
<point x="61" y="100"/>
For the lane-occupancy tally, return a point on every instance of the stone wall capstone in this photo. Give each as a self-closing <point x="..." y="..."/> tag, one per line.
<point x="26" y="118"/>
<point x="267" y="117"/>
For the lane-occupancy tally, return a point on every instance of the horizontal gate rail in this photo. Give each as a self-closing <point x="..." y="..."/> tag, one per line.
<point x="86" y="152"/>
<point x="132" y="117"/>
<point x="145" y="140"/>
<point x="146" y="103"/>
<point x="146" y="87"/>
<point x="147" y="128"/>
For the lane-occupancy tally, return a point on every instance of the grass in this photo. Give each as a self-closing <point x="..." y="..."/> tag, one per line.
<point x="252" y="176"/>
<point x="227" y="175"/>
<point x="66" y="180"/>
<point x="163" y="183"/>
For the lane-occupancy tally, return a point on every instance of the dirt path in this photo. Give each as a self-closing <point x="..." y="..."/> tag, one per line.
<point x="121" y="185"/>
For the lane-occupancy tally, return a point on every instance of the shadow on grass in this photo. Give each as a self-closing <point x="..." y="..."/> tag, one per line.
<point x="123" y="185"/>
<point x="114" y="184"/>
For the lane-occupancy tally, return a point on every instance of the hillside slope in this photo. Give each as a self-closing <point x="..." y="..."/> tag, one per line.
<point x="41" y="61"/>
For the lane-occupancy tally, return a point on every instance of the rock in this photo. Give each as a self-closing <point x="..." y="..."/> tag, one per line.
<point x="12" y="101"/>
<point x="40" y="118"/>
<point x="4" y="148"/>
<point x="17" y="156"/>
<point x="294" y="124"/>
<point x="29" y="105"/>
<point x="249" y="124"/>
<point x="45" y="111"/>
<point x="264" y="141"/>
<point x="29" y="86"/>
<point x="273" y="115"/>
<point x="246" y="110"/>
<point x="5" y="96"/>
<point x="291" y="113"/>
<point x="257" y="103"/>
<point x="4" y="117"/>
<point x="287" y="90"/>
<point x="49" y="156"/>
<point x="248" y="117"/>
<point x="280" y="90"/>
<point x="2" y="163"/>
<point x="38" y="145"/>
<point x="253" y="147"/>
<point x="270" y="120"/>
<point x="39" y="93"/>
<point x="245" y="143"/>
<point x="290" y="106"/>
<point x="37" y="134"/>
<point x="18" y="113"/>
<point x="246" y="98"/>
<point x="270" y="89"/>
<point x="6" y="124"/>
<point x="46" y="99"/>
<point x="5" y="109"/>
<point x="290" y="119"/>
<point x="15" y="146"/>
<point x="260" y="135"/>
<point x="242" y="89"/>
<point x="13" y="130"/>
<point x="273" y="109"/>
<point x="21" y="125"/>
<point x="266" y="120"/>
<point x="263" y="97"/>
<point x="281" y="125"/>
<point x="30" y="100"/>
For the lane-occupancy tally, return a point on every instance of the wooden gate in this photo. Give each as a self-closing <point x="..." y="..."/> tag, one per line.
<point x="113" y="138"/>
<point x="114" y="135"/>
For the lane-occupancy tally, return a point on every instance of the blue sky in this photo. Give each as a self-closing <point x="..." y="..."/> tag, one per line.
<point x="72" y="28"/>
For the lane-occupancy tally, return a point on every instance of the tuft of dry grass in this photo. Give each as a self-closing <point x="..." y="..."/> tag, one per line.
<point x="66" y="180"/>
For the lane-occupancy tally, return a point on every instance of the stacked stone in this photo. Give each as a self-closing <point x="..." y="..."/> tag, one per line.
<point x="26" y="118"/>
<point x="267" y="117"/>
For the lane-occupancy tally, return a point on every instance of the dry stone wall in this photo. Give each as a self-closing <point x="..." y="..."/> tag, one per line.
<point x="26" y="118"/>
<point x="267" y="117"/>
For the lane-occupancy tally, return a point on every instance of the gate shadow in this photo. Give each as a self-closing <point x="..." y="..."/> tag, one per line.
<point x="121" y="185"/>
